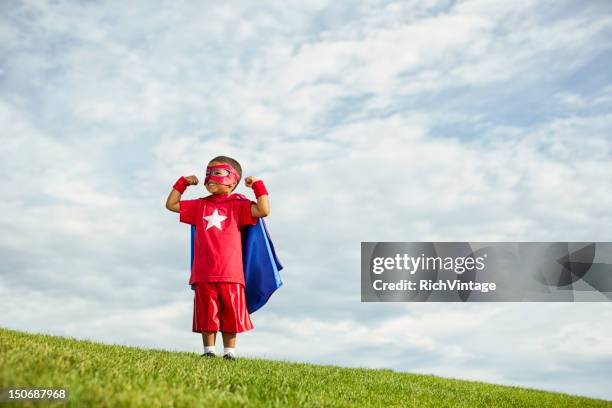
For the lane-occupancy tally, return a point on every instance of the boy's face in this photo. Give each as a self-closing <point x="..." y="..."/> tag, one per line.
<point x="217" y="188"/>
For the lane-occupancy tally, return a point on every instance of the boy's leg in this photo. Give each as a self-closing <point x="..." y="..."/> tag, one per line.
<point x="206" y="315"/>
<point x="229" y="345"/>
<point x="208" y="338"/>
<point x="229" y="339"/>
<point x="234" y="316"/>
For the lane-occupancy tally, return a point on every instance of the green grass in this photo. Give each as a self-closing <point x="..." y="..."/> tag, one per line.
<point x="105" y="375"/>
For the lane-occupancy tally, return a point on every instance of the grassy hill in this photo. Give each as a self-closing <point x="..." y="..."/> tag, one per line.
<point x="104" y="375"/>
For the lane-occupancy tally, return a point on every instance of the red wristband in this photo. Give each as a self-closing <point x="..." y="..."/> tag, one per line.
<point x="181" y="184"/>
<point x="259" y="188"/>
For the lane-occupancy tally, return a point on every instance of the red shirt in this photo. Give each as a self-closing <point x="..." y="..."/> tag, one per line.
<point x="218" y="241"/>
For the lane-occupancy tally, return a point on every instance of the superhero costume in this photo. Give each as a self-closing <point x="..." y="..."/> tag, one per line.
<point x="261" y="265"/>
<point x="223" y="220"/>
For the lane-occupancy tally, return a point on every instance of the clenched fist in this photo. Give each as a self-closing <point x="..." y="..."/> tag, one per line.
<point x="249" y="181"/>
<point x="193" y="180"/>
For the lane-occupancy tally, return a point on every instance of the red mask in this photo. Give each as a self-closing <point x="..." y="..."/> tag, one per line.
<point x="222" y="174"/>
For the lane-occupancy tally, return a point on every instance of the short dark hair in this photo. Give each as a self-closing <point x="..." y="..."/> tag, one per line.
<point x="232" y="162"/>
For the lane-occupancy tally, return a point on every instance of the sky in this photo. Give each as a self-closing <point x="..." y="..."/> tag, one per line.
<point x="368" y="121"/>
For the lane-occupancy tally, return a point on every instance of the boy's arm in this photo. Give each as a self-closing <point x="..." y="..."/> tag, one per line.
<point x="172" y="203"/>
<point x="174" y="198"/>
<point x="262" y="209"/>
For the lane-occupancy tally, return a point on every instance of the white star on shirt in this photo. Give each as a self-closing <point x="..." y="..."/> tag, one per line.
<point x="214" y="220"/>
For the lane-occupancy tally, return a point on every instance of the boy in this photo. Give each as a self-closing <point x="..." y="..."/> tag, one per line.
<point x="217" y="272"/>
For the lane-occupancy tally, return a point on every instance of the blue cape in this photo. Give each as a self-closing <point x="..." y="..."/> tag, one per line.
<point x="261" y="266"/>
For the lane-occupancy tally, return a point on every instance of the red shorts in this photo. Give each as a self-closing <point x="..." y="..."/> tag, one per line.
<point x="220" y="306"/>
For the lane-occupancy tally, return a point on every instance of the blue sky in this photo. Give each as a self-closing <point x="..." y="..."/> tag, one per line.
<point x="377" y="121"/>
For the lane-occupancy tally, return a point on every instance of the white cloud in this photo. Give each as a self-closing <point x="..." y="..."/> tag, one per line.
<point x="578" y="102"/>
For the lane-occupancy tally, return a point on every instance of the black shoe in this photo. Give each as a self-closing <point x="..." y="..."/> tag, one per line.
<point x="209" y="354"/>
<point x="229" y="357"/>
